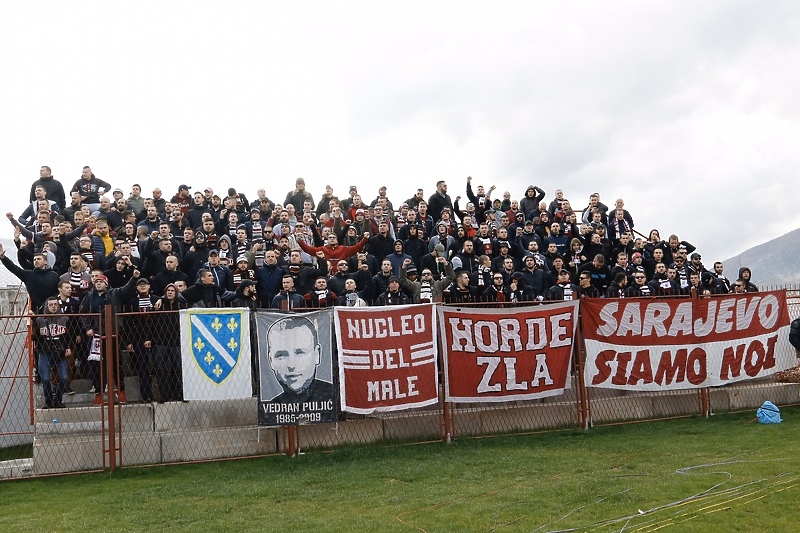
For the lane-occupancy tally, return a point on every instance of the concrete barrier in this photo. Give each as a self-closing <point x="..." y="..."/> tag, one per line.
<point x="195" y="415"/>
<point x="204" y="444"/>
<point x="338" y="433"/>
<point x="70" y="453"/>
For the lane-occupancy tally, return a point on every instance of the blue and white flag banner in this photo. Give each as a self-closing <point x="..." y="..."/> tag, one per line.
<point x="215" y="354"/>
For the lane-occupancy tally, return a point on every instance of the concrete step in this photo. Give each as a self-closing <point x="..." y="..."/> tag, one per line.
<point x="16" y="468"/>
<point x="135" y="419"/>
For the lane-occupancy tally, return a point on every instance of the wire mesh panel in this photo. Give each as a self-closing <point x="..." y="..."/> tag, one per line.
<point x="194" y="399"/>
<point x="730" y="349"/>
<point x="49" y="423"/>
<point x="131" y="397"/>
<point x="509" y="367"/>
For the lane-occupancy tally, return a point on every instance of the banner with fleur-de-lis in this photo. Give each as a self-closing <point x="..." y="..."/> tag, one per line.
<point x="215" y="354"/>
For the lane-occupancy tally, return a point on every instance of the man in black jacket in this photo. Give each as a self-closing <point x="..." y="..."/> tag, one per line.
<point x="54" y="191"/>
<point x="93" y="323"/>
<point x="41" y="282"/>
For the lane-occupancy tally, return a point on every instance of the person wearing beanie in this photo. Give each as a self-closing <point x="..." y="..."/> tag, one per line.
<point x="298" y="196"/>
<point x="427" y="289"/>
<point x="393" y="295"/>
<point x="92" y="308"/>
<point x="432" y="263"/>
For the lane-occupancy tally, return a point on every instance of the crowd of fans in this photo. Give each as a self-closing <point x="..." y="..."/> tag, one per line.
<point x="100" y="245"/>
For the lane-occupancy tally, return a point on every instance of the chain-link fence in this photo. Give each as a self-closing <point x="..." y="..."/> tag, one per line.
<point x="126" y="377"/>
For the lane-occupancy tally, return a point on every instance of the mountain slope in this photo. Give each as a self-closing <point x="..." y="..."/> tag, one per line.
<point x="772" y="263"/>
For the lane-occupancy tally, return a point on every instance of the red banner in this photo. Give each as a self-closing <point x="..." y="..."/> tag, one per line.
<point x="669" y="344"/>
<point x="387" y="357"/>
<point x="498" y="355"/>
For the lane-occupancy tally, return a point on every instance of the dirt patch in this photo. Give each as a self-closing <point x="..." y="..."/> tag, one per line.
<point x="791" y="375"/>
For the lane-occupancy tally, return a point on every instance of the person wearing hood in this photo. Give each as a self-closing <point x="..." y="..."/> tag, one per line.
<point x="196" y="256"/>
<point x="245" y="295"/>
<point x="120" y="273"/>
<point x="530" y="202"/>
<point x="745" y="274"/>
<point x="575" y="258"/>
<point x="398" y="257"/>
<point x="442" y="237"/>
<point x="41" y="282"/>
<point x="414" y="245"/>
<point x="224" y="247"/>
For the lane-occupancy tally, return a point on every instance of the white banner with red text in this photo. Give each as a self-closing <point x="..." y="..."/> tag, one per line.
<point x="659" y="345"/>
<point x="499" y="355"/>
<point x="387" y="357"/>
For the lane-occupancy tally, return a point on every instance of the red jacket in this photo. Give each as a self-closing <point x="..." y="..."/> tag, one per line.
<point x="334" y="253"/>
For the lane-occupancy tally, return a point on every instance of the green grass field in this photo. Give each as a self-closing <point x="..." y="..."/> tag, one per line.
<point x="726" y="473"/>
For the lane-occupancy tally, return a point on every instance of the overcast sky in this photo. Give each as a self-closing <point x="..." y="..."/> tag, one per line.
<point x="687" y="110"/>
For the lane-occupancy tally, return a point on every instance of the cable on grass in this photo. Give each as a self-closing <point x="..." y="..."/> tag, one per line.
<point x="710" y="492"/>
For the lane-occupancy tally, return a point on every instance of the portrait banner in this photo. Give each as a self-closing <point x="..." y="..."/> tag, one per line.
<point x="499" y="355"/>
<point x="658" y="345"/>
<point x="387" y="357"/>
<point x="215" y="354"/>
<point x="295" y="356"/>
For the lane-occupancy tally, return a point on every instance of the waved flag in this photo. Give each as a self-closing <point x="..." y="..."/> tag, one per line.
<point x="215" y="354"/>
